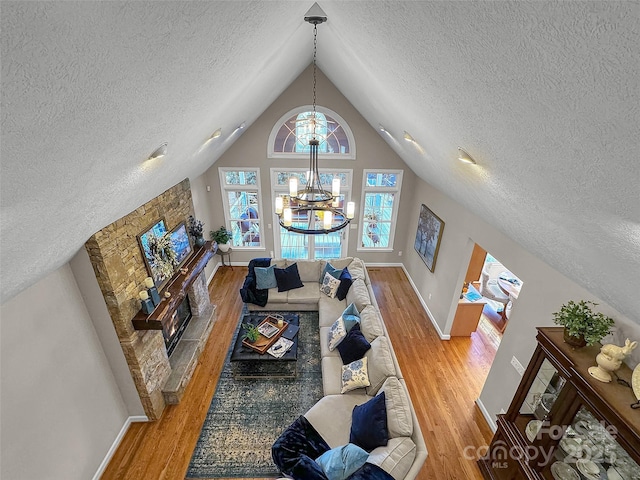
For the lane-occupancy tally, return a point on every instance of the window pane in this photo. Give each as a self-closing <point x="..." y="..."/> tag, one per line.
<point x="327" y="246"/>
<point x="243" y="215"/>
<point x="381" y="180"/>
<point x="240" y="177"/>
<point x="294" y="245"/>
<point x="378" y="213"/>
<point x="294" y="135"/>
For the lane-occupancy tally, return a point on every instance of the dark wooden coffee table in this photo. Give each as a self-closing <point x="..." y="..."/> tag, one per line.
<point x="247" y="363"/>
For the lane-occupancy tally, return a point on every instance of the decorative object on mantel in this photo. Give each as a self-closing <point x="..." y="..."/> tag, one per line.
<point x="183" y="271"/>
<point x="610" y="359"/>
<point x="195" y="230"/>
<point x="582" y="325"/>
<point x="221" y="237"/>
<point x="152" y="290"/>
<point x="167" y="294"/>
<point x="147" y="304"/>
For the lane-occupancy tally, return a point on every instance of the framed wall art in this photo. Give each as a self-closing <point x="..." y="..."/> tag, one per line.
<point x="428" y="237"/>
<point x="181" y="244"/>
<point x="153" y="244"/>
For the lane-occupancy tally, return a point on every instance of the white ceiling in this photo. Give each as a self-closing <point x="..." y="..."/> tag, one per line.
<point x="544" y="95"/>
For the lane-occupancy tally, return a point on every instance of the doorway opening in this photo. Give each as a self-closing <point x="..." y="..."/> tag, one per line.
<point x="489" y="293"/>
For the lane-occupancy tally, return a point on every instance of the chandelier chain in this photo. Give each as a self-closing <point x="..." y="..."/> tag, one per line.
<point x="315" y="50"/>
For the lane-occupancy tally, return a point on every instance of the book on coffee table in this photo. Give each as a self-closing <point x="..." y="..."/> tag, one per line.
<point x="268" y="329"/>
<point x="291" y="332"/>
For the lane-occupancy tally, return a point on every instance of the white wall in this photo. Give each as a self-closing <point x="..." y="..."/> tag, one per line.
<point x="203" y="209"/>
<point x="61" y="408"/>
<point x="544" y="289"/>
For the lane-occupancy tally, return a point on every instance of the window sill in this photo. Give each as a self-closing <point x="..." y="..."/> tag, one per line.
<point x="374" y="249"/>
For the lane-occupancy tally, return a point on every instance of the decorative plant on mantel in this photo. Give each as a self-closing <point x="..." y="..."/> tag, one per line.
<point x="195" y="230"/>
<point x="579" y="320"/>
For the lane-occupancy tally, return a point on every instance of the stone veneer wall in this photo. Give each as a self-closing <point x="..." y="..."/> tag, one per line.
<point x="120" y="269"/>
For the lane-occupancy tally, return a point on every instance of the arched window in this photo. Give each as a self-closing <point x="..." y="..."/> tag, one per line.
<point x="291" y="134"/>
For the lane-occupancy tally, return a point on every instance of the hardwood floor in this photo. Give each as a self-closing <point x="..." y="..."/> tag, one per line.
<point x="444" y="379"/>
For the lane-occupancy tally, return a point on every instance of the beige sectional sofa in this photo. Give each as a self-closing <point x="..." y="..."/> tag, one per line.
<point x="406" y="451"/>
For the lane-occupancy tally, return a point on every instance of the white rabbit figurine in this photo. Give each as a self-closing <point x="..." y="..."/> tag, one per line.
<point x="610" y="359"/>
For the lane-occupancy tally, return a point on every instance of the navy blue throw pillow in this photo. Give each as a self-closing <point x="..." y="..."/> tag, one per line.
<point x="288" y="278"/>
<point x="353" y="346"/>
<point x="345" y="284"/>
<point x="369" y="424"/>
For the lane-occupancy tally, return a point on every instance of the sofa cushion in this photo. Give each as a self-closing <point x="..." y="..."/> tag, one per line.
<point x="265" y="277"/>
<point x="278" y="297"/>
<point x="356" y="268"/>
<point x="332" y="376"/>
<point x="331" y="270"/>
<point x="369" y="424"/>
<point x="350" y="316"/>
<point x="337" y="333"/>
<point x="329" y="285"/>
<point x="354" y="375"/>
<point x="358" y="294"/>
<point x="309" y="293"/>
<point x="380" y="364"/>
<point x="354" y="345"/>
<point x="396" y="458"/>
<point x="345" y="284"/>
<point x="331" y="416"/>
<point x="371" y="323"/>
<point x="309" y="270"/>
<point x="340" y="263"/>
<point x="340" y="462"/>
<point x="288" y="278"/>
<point x="329" y="309"/>
<point x="324" y="345"/>
<point x="399" y="419"/>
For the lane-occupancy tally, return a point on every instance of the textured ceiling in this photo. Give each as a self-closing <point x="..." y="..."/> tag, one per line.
<point x="544" y="95"/>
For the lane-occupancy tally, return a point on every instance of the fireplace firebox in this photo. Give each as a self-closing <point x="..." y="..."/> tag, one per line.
<point x="173" y="327"/>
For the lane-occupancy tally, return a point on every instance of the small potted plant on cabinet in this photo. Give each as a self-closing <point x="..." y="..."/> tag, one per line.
<point x="582" y="326"/>
<point x="221" y="237"/>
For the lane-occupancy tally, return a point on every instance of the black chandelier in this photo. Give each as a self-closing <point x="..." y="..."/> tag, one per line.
<point x="313" y="210"/>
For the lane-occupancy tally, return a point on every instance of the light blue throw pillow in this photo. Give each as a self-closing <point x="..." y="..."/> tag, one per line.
<point x="265" y="278"/>
<point x="334" y="272"/>
<point x="339" y="463"/>
<point x="350" y="316"/>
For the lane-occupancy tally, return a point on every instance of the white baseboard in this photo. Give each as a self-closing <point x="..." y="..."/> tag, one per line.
<point x="487" y="416"/>
<point x="426" y="308"/>
<point x="116" y="443"/>
<point x="215" y="269"/>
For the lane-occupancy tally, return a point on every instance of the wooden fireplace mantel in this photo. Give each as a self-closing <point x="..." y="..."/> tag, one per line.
<point x="177" y="287"/>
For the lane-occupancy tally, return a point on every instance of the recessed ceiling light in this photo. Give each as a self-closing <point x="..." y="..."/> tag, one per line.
<point x="408" y="137"/>
<point x="159" y="152"/>
<point x="464" y="156"/>
<point x="382" y="129"/>
<point x="216" y="134"/>
<point x="242" y="125"/>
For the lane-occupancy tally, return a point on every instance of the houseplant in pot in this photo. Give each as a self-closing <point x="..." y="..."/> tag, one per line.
<point x="582" y="326"/>
<point x="221" y="237"/>
<point x="251" y="332"/>
<point x="195" y="230"/>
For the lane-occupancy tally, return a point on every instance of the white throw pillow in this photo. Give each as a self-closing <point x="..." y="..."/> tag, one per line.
<point x="336" y="334"/>
<point x="354" y="375"/>
<point x="329" y="285"/>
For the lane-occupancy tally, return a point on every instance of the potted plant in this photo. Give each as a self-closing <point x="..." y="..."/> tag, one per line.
<point x="251" y="333"/>
<point x="582" y="326"/>
<point x="221" y="237"/>
<point x="195" y="230"/>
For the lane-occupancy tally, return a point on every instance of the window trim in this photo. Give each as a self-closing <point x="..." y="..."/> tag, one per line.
<point x="307" y="108"/>
<point x="394" y="214"/>
<point x="224" y="188"/>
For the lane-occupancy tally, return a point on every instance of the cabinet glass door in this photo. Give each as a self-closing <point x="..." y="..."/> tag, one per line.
<point x="589" y="450"/>
<point x="541" y="397"/>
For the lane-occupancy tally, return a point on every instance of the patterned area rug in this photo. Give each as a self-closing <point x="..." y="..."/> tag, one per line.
<point x="247" y="415"/>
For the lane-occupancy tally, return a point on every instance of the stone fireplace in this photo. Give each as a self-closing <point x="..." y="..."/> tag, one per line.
<point x="120" y="270"/>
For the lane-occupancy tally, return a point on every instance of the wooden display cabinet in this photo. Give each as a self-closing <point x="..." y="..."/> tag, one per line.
<point x="562" y="423"/>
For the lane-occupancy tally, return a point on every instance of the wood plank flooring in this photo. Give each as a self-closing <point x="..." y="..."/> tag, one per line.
<point x="443" y="378"/>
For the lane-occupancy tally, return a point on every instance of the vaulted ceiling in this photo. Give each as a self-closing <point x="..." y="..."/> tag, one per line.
<point x="543" y="94"/>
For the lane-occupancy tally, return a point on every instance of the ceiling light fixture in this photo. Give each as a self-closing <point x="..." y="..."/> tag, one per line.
<point x="216" y="134"/>
<point x="464" y="156"/>
<point x="313" y="210"/>
<point x="159" y="152"/>
<point x="408" y="137"/>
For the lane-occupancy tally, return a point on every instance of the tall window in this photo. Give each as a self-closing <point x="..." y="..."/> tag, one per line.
<point x="380" y="200"/>
<point x="297" y="245"/>
<point x="291" y="134"/>
<point x="242" y="211"/>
